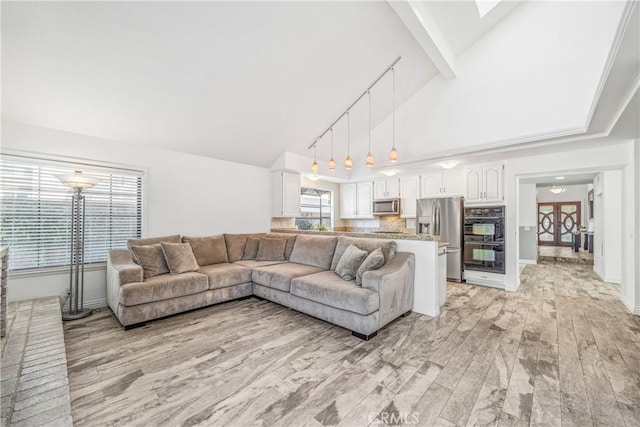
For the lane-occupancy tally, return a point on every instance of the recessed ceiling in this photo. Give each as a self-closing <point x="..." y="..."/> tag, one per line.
<point x="570" y="179"/>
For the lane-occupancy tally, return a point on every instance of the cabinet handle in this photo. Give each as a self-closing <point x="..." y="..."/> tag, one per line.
<point x="444" y="189"/>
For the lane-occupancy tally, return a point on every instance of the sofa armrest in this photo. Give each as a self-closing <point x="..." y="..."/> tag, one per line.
<point x="120" y="270"/>
<point x="394" y="283"/>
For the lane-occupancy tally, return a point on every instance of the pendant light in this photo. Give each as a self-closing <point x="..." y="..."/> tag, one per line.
<point x="314" y="165"/>
<point x="369" y="161"/>
<point x="393" y="155"/>
<point x="348" y="164"/>
<point x="332" y="162"/>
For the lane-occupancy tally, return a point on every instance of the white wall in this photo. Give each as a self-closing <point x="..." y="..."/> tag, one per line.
<point x="630" y="285"/>
<point x="607" y="232"/>
<point x="184" y="194"/>
<point x="607" y="157"/>
<point x="528" y="223"/>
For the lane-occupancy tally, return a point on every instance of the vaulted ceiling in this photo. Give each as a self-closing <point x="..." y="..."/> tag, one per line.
<point x="247" y="81"/>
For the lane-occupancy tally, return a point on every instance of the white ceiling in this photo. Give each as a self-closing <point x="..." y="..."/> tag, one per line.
<point x="240" y="81"/>
<point x="569" y="179"/>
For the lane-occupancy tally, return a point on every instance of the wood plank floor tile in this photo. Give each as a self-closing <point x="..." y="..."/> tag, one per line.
<point x="562" y="350"/>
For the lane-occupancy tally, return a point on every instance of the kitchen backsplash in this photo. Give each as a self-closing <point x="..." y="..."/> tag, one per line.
<point x="384" y="223"/>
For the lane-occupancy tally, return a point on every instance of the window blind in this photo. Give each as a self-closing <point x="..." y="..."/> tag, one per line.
<point x="36" y="212"/>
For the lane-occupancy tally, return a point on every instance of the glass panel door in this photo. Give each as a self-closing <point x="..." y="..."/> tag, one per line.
<point x="557" y="222"/>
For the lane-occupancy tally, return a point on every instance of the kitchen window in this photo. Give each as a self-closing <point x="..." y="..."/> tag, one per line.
<point x="36" y="212"/>
<point x="315" y="209"/>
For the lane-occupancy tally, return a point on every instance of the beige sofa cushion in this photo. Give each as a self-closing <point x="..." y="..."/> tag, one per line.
<point x="151" y="259"/>
<point x="225" y="275"/>
<point x="208" y="250"/>
<point x="255" y="264"/>
<point x="388" y="247"/>
<point x="350" y="261"/>
<point x="314" y="250"/>
<point x="251" y="248"/>
<point x="162" y="287"/>
<point x="235" y="244"/>
<point x="374" y="261"/>
<point x="179" y="257"/>
<point x="152" y="240"/>
<point x="279" y="276"/>
<point x="271" y="250"/>
<point x="291" y="240"/>
<point x="330" y="289"/>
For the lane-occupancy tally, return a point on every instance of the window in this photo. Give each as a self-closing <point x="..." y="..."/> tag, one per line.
<point x="315" y="208"/>
<point x="36" y="212"/>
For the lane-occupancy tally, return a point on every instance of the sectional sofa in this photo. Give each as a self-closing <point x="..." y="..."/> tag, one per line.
<point x="303" y="277"/>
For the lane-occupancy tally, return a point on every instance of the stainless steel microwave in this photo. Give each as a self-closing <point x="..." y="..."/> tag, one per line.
<point x="386" y="207"/>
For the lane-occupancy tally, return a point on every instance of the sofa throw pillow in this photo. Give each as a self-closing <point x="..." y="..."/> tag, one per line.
<point x="271" y="250"/>
<point x="291" y="240"/>
<point x="235" y="244"/>
<point x="179" y="257"/>
<point x="251" y="248"/>
<point x="208" y="250"/>
<point x="350" y="261"/>
<point x="151" y="259"/>
<point x="374" y="261"/>
<point x="175" y="238"/>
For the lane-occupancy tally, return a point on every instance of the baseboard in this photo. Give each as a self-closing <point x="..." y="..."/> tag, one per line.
<point x="629" y="304"/>
<point x="93" y="304"/>
<point x="528" y="261"/>
<point x="613" y="279"/>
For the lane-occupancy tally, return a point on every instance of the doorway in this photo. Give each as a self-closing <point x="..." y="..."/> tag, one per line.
<point x="557" y="221"/>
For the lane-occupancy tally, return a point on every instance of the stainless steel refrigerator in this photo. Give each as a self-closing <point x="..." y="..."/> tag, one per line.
<point x="444" y="217"/>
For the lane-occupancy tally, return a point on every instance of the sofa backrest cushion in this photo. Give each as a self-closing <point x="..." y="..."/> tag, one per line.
<point x="151" y="259"/>
<point x="291" y="240"/>
<point x="271" y="250"/>
<point x="208" y="250"/>
<point x="388" y="247"/>
<point x="236" y="243"/>
<point x="314" y="250"/>
<point x="179" y="257"/>
<point x="152" y="240"/>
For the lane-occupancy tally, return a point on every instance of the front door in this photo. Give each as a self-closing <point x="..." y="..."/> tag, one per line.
<point x="556" y="222"/>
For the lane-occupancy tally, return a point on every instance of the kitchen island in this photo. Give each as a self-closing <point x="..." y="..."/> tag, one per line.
<point x="430" y="279"/>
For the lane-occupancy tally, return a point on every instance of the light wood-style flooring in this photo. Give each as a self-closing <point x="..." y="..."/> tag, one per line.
<point x="561" y="351"/>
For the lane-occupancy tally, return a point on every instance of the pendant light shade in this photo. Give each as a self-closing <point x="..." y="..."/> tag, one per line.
<point x="369" y="161"/>
<point x="314" y="165"/>
<point x="332" y="162"/>
<point x="393" y="155"/>
<point x="348" y="163"/>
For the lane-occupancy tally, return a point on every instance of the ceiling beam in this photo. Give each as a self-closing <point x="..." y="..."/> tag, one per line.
<point x="424" y="29"/>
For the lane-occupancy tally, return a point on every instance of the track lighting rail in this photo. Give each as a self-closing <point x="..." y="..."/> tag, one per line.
<point x="384" y="73"/>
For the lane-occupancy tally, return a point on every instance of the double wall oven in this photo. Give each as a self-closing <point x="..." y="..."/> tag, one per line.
<point x="484" y="239"/>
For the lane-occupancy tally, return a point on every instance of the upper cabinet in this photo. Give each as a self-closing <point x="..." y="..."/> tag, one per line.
<point x="484" y="184"/>
<point x="386" y="188"/>
<point x="408" y="195"/>
<point x="356" y="200"/>
<point x="442" y="184"/>
<point x="285" y="188"/>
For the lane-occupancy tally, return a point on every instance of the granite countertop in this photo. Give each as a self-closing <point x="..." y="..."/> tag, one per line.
<point x="391" y="236"/>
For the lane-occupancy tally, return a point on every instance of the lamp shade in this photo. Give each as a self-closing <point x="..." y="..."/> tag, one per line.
<point x="78" y="180"/>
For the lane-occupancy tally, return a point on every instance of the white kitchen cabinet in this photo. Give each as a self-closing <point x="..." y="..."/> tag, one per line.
<point x="408" y="195"/>
<point x="285" y="188"/>
<point x="356" y="200"/>
<point x="442" y="184"/>
<point x="484" y="184"/>
<point x="386" y="188"/>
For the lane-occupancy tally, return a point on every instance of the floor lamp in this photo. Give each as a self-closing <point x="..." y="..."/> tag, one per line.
<point x="78" y="182"/>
